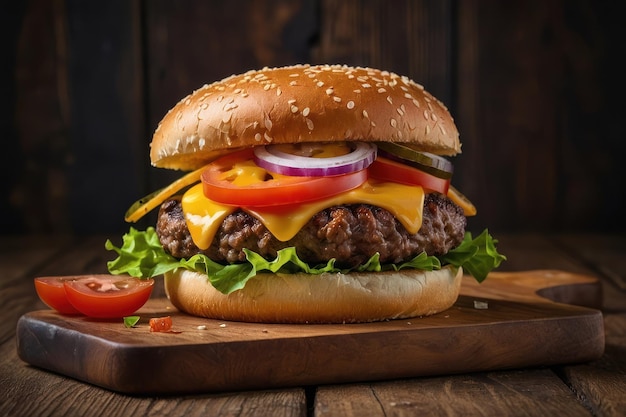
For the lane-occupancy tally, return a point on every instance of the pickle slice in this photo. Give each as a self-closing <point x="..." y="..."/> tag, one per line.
<point x="428" y="162"/>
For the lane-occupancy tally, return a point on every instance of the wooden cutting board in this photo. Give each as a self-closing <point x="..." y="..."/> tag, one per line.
<point x="506" y="322"/>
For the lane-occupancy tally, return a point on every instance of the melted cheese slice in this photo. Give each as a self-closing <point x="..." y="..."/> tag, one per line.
<point x="204" y="216"/>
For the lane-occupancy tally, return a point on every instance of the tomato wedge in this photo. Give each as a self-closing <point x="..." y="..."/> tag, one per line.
<point x="52" y="292"/>
<point x="236" y="180"/>
<point x="387" y="170"/>
<point x="107" y="296"/>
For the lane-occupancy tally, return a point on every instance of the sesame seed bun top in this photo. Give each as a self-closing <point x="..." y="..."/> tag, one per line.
<point x="301" y="104"/>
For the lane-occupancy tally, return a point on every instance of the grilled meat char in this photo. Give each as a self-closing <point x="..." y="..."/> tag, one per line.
<point x="349" y="233"/>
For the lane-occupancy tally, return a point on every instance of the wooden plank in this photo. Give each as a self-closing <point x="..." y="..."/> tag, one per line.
<point x="537" y="392"/>
<point x="537" y="104"/>
<point x="412" y="38"/>
<point x="602" y="383"/>
<point x="537" y="251"/>
<point x="28" y="391"/>
<point x="604" y="252"/>
<point x="514" y="329"/>
<point x="106" y="124"/>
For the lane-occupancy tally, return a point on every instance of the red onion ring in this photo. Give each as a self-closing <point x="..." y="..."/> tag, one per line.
<point x="279" y="162"/>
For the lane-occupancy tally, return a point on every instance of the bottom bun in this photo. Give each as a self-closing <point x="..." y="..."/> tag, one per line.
<point x="325" y="298"/>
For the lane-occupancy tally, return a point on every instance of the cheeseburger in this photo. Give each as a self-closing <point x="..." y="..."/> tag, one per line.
<point x="313" y="194"/>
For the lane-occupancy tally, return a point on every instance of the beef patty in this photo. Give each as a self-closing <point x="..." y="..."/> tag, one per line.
<point x="349" y="233"/>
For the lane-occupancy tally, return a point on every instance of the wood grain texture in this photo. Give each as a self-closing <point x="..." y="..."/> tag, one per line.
<point x="597" y="386"/>
<point x="535" y="393"/>
<point x="535" y="89"/>
<point x="515" y="328"/>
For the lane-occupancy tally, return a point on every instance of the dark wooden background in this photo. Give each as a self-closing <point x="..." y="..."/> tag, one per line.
<point x="536" y="88"/>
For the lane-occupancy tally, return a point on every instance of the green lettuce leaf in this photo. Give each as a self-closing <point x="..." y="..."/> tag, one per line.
<point x="141" y="255"/>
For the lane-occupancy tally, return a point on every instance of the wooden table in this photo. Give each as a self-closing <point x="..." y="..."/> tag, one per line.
<point x="597" y="388"/>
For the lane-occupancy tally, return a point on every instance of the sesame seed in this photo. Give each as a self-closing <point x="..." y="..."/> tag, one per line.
<point x="279" y="91"/>
<point x="417" y="103"/>
<point x="309" y="124"/>
<point x="393" y="122"/>
<point x="329" y="91"/>
<point x="366" y="85"/>
<point x="320" y="83"/>
<point x="427" y="129"/>
<point x="350" y="104"/>
<point x="382" y="90"/>
<point x="294" y="109"/>
<point x="433" y="116"/>
<point x="365" y="114"/>
<point x="291" y="101"/>
<point x="389" y="99"/>
<point x="337" y="99"/>
<point x="357" y="91"/>
<point x="426" y="114"/>
<point x="266" y="87"/>
<point x="400" y="112"/>
<point x="258" y="137"/>
<point x="267" y="137"/>
<point x="443" y="131"/>
<point x="306" y="111"/>
<point x="268" y="124"/>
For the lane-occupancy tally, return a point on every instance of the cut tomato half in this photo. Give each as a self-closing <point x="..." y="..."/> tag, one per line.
<point x="236" y="180"/>
<point x="387" y="170"/>
<point x="107" y="296"/>
<point x="52" y="292"/>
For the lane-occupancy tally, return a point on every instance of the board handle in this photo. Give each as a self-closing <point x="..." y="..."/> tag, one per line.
<point x="545" y="285"/>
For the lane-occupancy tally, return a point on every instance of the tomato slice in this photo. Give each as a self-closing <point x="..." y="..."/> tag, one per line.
<point x="107" y="296"/>
<point x="52" y="292"/>
<point x="387" y="170"/>
<point x="236" y="180"/>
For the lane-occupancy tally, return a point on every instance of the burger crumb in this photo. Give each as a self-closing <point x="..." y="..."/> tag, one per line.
<point x="222" y="325"/>
<point x="481" y="305"/>
<point x="201" y="327"/>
